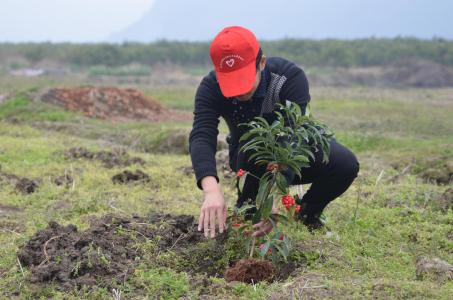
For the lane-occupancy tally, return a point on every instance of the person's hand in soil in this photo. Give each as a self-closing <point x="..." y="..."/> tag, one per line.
<point x="213" y="211"/>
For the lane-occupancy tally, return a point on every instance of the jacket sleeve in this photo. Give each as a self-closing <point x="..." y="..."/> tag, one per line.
<point x="203" y="137"/>
<point x="296" y="87"/>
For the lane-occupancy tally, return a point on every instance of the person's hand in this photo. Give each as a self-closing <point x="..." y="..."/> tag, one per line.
<point x="213" y="209"/>
<point x="264" y="227"/>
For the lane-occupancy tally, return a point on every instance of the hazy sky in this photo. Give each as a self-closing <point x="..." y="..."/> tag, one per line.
<point x="67" y="20"/>
<point x="99" y="20"/>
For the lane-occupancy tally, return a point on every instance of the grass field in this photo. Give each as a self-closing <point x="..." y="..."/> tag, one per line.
<point x="391" y="215"/>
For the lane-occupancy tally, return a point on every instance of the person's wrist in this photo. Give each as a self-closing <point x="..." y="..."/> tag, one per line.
<point x="210" y="185"/>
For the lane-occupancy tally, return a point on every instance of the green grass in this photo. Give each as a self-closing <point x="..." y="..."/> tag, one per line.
<point x="174" y="97"/>
<point x="379" y="226"/>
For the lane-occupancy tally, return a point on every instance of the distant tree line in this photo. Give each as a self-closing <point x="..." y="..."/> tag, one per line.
<point x="326" y="53"/>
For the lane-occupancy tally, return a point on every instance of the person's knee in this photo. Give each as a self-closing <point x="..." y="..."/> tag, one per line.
<point x="347" y="166"/>
<point x="352" y="168"/>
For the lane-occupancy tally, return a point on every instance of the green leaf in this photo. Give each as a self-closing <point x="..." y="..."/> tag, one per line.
<point x="244" y="208"/>
<point x="242" y="182"/>
<point x="281" y="183"/>
<point x="284" y="251"/>
<point x="279" y="218"/>
<point x="265" y="248"/>
<point x="256" y="217"/>
<point x="266" y="208"/>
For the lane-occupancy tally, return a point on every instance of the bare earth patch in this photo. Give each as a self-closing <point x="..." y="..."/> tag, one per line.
<point x="112" y="103"/>
<point x="109" y="159"/>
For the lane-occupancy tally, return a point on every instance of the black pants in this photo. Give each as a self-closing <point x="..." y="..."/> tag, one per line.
<point x="328" y="181"/>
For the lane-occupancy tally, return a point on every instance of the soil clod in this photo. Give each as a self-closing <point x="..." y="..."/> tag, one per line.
<point x="128" y="176"/>
<point x="26" y="186"/>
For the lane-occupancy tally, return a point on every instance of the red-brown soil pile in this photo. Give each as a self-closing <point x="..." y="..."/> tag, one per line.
<point x="111" y="103"/>
<point x="251" y="271"/>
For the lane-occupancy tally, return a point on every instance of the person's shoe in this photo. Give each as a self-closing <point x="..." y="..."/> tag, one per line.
<point x="313" y="223"/>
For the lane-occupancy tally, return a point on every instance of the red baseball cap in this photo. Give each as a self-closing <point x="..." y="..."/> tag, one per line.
<point x="233" y="53"/>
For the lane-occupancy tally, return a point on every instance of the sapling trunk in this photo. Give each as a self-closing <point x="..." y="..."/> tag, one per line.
<point x="253" y="247"/>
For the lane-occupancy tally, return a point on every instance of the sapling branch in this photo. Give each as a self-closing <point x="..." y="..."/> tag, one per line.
<point x="286" y="145"/>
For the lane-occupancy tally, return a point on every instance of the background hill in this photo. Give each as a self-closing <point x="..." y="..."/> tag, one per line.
<point x="199" y="20"/>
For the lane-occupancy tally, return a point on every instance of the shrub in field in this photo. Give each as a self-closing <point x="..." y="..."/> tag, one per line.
<point x="287" y="144"/>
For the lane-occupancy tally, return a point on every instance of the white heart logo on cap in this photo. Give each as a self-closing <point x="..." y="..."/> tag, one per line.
<point x="230" y="62"/>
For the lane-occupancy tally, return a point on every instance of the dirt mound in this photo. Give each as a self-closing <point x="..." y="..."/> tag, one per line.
<point x="111" y="103"/>
<point x="105" y="253"/>
<point x="434" y="268"/>
<point x="251" y="271"/>
<point x="22" y="185"/>
<point x="110" y="159"/>
<point x="128" y="176"/>
<point x="437" y="169"/>
<point x="26" y="186"/>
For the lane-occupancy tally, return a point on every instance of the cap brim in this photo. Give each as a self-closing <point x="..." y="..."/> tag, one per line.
<point x="238" y="82"/>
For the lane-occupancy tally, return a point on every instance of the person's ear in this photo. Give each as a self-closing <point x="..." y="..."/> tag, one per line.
<point x="262" y="63"/>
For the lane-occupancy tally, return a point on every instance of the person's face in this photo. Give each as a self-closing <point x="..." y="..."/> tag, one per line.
<point x="247" y="96"/>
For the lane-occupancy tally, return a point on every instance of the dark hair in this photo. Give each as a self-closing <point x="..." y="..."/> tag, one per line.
<point x="258" y="58"/>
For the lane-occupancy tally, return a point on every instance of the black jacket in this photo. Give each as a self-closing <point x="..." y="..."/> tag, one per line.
<point x="281" y="80"/>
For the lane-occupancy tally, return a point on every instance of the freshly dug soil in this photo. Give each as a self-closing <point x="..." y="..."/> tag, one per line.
<point x="251" y="271"/>
<point x="128" y="176"/>
<point x="109" y="159"/>
<point x="104" y="254"/>
<point x="108" y="252"/>
<point x="111" y="103"/>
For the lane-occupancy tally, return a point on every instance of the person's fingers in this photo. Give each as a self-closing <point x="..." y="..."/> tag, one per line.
<point x="212" y="215"/>
<point x="258" y="233"/>
<point x="200" y="220"/>
<point x="220" y="219"/>
<point x="206" y="223"/>
<point x="258" y="225"/>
